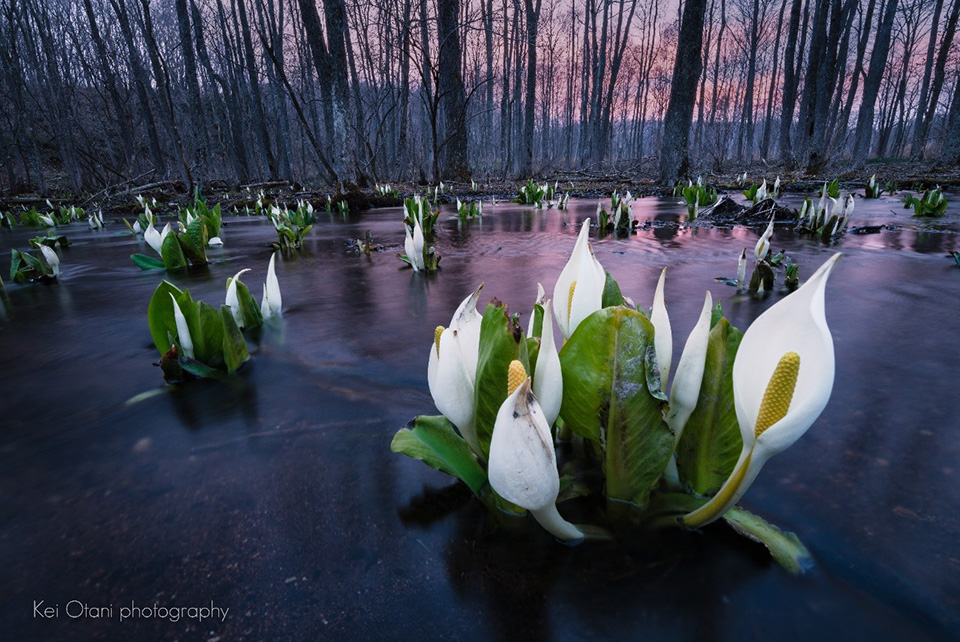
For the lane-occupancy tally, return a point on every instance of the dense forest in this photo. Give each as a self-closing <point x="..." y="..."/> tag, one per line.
<point x="102" y="92"/>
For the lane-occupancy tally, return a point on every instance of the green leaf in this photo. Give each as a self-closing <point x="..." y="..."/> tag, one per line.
<point x="538" y="320"/>
<point x="160" y="315"/>
<point x="711" y="441"/>
<point x="211" y="329"/>
<point x="234" y="345"/>
<point x="145" y="262"/>
<point x="250" y="312"/>
<point x="716" y="314"/>
<point x="435" y="442"/>
<point x="499" y="345"/>
<point x="202" y="370"/>
<point x="191" y="313"/>
<point x="607" y="399"/>
<point x="785" y="547"/>
<point x="172" y="254"/>
<point x="611" y="293"/>
<point x="194" y="241"/>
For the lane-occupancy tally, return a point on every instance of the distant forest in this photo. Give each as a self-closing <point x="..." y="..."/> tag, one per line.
<point x="99" y="92"/>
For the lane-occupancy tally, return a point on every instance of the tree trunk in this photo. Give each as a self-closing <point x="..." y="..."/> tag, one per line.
<point x="452" y="93"/>
<point x="871" y="87"/>
<point x="789" y="84"/>
<point x="530" y="101"/>
<point x="674" y="157"/>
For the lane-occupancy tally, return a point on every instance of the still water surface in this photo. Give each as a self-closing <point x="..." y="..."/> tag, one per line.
<point x="276" y="495"/>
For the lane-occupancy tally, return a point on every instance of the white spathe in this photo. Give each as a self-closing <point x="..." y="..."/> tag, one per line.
<point x="183" y="331"/>
<point x="663" y="334"/>
<point x="452" y="368"/>
<point x="547" y="376"/>
<point x="413" y="246"/>
<point x="271" y="305"/>
<point x="795" y="324"/>
<point x="763" y="243"/>
<point x="523" y="464"/>
<point x="685" y="388"/>
<point x="52" y="259"/>
<point x="741" y="269"/>
<point x="232" y="300"/>
<point x="574" y="304"/>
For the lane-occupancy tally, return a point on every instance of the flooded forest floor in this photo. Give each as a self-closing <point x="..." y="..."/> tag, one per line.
<point x="640" y="180"/>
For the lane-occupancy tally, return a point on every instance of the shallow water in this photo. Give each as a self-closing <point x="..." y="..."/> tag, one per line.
<point x="276" y="495"/>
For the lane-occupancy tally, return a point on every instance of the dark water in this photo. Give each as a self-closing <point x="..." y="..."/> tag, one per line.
<point x="276" y="495"/>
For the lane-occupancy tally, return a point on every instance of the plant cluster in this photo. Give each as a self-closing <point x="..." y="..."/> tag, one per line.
<point x="696" y="195"/>
<point x="932" y="203"/>
<point x="386" y="190"/>
<point x="619" y="219"/>
<point x="187" y="245"/>
<point x="756" y="193"/>
<point x="472" y="209"/>
<point x="532" y="193"/>
<point x="658" y="458"/>
<point x="872" y="189"/>
<point x="417" y="253"/>
<point x="197" y="340"/>
<point x="292" y="225"/>
<point x="211" y="217"/>
<point x="24" y="267"/>
<point x="828" y="218"/>
<point x="417" y="210"/>
<point x="763" y="278"/>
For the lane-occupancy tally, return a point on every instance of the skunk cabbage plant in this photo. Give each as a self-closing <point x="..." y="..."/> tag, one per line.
<point x="177" y="248"/>
<point x="656" y="461"/>
<point x="193" y="338"/>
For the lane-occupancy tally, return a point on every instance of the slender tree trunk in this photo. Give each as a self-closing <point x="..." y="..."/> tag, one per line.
<point x="789" y="84"/>
<point x="533" y="19"/>
<point x="871" y="87"/>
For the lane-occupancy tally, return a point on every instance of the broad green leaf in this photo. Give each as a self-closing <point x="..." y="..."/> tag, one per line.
<point x="611" y="293"/>
<point x="499" y="345"/>
<point x="145" y="262"/>
<point x="172" y="253"/>
<point x="711" y="441"/>
<point x="785" y="547"/>
<point x="194" y="241"/>
<point x="211" y="328"/>
<point x="212" y="218"/>
<point x="234" y="345"/>
<point x="160" y="315"/>
<point x="434" y="441"/>
<point x="249" y="309"/>
<point x="607" y="399"/>
<point x="15" y="261"/>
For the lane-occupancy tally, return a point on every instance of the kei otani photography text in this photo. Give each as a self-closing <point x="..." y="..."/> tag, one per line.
<point x="77" y="609"/>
